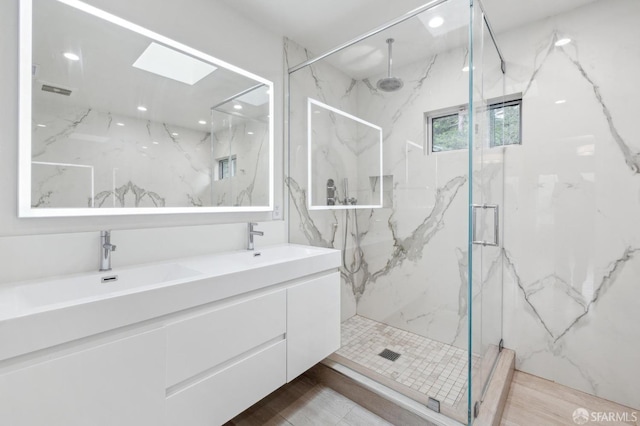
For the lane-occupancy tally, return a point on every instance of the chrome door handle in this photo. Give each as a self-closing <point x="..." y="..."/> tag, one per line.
<point x="496" y="224"/>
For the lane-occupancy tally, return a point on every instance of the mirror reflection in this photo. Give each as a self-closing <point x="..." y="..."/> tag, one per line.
<point x="122" y="120"/>
<point x="345" y="160"/>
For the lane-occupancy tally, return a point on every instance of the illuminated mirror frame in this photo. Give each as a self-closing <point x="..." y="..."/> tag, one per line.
<point x="310" y="104"/>
<point x="24" y="131"/>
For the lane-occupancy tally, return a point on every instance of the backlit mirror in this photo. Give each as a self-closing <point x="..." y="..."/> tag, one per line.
<point x="345" y="160"/>
<point x="116" y="119"/>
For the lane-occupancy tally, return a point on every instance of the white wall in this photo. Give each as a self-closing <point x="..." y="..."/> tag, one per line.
<point x="208" y="26"/>
<point x="572" y="198"/>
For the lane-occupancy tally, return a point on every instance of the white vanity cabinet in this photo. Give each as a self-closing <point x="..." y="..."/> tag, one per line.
<point x="192" y="352"/>
<point x="225" y="359"/>
<point x="313" y="322"/>
<point x="120" y="382"/>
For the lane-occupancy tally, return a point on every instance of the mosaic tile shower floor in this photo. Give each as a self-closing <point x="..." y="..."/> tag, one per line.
<point x="435" y="369"/>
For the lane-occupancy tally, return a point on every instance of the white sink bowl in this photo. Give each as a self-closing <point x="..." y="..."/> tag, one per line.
<point x="233" y="262"/>
<point x="84" y="288"/>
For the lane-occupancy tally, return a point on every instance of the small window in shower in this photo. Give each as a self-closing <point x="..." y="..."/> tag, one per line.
<point x="226" y="167"/>
<point x="447" y="130"/>
<point x="505" y="123"/>
<point x="500" y="121"/>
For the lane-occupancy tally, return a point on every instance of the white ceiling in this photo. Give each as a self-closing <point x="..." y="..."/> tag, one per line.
<point x="322" y="25"/>
<point x="105" y="80"/>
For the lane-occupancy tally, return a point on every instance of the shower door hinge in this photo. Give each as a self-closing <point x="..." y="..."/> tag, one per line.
<point x="476" y="409"/>
<point x="501" y="345"/>
<point x="433" y="404"/>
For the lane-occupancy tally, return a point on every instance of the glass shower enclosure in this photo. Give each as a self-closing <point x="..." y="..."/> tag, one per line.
<point x="395" y="156"/>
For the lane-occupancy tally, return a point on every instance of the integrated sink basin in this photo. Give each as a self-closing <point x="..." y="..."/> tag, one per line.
<point x="82" y="288"/>
<point x="43" y="313"/>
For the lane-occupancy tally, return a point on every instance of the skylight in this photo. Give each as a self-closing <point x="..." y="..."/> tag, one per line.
<point x="172" y="64"/>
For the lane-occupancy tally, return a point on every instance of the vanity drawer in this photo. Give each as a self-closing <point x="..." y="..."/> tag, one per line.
<point x="106" y="383"/>
<point x="227" y="393"/>
<point x="313" y="322"/>
<point x="203" y="341"/>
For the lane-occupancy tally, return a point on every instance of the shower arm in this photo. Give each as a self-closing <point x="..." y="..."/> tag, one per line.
<point x="390" y="43"/>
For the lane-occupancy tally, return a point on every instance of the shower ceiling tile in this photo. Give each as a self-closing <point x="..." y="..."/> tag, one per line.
<point x="450" y="12"/>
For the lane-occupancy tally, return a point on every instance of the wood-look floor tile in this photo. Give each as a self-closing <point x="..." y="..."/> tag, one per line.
<point x="309" y="412"/>
<point x="330" y="400"/>
<point x="358" y="416"/>
<point x="536" y="401"/>
<point x="288" y="394"/>
<point x="259" y="415"/>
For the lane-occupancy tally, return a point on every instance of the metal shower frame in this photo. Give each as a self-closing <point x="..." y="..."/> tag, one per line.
<point x="390" y="24"/>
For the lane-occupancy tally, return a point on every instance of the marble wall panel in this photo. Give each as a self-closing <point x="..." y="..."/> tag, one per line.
<point x="570" y="257"/>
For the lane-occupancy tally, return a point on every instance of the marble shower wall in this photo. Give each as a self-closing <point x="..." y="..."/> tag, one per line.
<point x="323" y="228"/>
<point x="414" y="275"/>
<point x="572" y="198"/>
<point x="128" y="162"/>
<point x="571" y="240"/>
<point x="413" y="268"/>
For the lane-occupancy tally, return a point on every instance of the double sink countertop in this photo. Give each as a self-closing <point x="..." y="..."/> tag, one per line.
<point x="43" y="313"/>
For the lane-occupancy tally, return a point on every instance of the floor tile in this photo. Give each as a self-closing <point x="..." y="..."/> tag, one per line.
<point x="535" y="401"/>
<point x="433" y="368"/>
<point x="306" y="403"/>
<point x="358" y="416"/>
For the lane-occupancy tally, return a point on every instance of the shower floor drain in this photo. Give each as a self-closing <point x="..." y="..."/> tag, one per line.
<point x="389" y="354"/>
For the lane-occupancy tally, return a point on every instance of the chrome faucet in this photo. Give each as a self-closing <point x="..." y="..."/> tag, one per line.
<point x="105" y="250"/>
<point x="251" y="234"/>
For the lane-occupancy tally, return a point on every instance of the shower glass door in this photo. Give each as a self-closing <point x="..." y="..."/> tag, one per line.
<point x="486" y="160"/>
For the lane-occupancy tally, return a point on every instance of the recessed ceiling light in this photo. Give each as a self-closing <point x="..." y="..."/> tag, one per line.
<point x="155" y="142"/>
<point x="172" y="64"/>
<point x="202" y="122"/>
<point x="41" y="125"/>
<point x="71" y="56"/>
<point x="316" y="112"/>
<point x="120" y="124"/>
<point x="436" y="22"/>
<point x="174" y="134"/>
<point x="144" y="147"/>
<point x="562" y="42"/>
<point x="237" y="106"/>
<point x="249" y="133"/>
<point x="561" y="101"/>
<point x="142" y="108"/>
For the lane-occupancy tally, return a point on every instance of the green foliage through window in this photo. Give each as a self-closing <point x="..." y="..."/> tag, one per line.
<point x="450" y="130"/>
<point x="504" y="123"/>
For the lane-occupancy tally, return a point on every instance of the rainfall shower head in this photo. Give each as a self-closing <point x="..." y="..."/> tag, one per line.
<point x="390" y="84"/>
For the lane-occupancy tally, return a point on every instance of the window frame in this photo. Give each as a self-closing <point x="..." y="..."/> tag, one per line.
<point x="493" y="103"/>
<point x="501" y="102"/>
<point x="436" y="114"/>
<point x="231" y="161"/>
